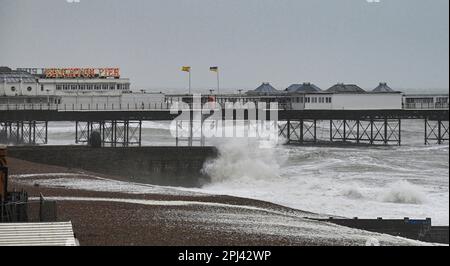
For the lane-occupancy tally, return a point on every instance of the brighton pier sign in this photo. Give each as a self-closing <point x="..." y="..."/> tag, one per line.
<point x="74" y="72"/>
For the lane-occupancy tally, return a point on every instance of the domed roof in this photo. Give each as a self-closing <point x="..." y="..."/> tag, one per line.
<point x="264" y="88"/>
<point x="345" y="88"/>
<point x="383" y="87"/>
<point x="303" y="88"/>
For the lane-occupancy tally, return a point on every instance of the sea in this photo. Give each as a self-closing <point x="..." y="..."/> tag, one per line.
<point x="411" y="180"/>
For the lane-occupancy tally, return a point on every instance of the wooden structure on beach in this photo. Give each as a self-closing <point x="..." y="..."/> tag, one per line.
<point x="37" y="234"/>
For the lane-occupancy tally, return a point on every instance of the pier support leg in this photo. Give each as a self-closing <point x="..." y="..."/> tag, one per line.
<point x="315" y="130"/>
<point x="385" y="132"/>
<point x="24" y="132"/>
<point x="371" y="132"/>
<point x="288" y="131"/>
<point x="345" y="131"/>
<point x="46" y="132"/>
<point x="436" y="132"/>
<point x="302" y="134"/>
<point x="358" y="138"/>
<point x="440" y="132"/>
<point x="140" y="133"/>
<point x="331" y="130"/>
<point x="426" y="131"/>
<point x="76" y="132"/>
<point x="113" y="133"/>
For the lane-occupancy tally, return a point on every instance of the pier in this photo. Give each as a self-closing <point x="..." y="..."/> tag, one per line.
<point x="28" y="125"/>
<point x="369" y="127"/>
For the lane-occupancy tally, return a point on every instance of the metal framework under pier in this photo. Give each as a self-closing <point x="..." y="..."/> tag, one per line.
<point x="436" y="131"/>
<point x="373" y="132"/>
<point x="24" y="132"/>
<point x="301" y="131"/>
<point x="189" y="132"/>
<point x="113" y="133"/>
<point x="369" y="132"/>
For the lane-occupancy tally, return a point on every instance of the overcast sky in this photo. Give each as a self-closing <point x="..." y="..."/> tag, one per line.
<point x="402" y="42"/>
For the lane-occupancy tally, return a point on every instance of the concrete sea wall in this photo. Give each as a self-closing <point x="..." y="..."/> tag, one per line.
<point x="172" y="166"/>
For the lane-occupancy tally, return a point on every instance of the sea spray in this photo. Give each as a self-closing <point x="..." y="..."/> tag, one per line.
<point x="243" y="159"/>
<point x="352" y="192"/>
<point x="404" y="192"/>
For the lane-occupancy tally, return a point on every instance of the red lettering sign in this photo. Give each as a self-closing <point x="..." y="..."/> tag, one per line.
<point x="82" y="72"/>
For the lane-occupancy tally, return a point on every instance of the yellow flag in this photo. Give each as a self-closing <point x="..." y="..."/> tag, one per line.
<point x="186" y="69"/>
<point x="214" y="69"/>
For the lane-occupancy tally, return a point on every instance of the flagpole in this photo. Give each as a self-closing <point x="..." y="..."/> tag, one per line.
<point x="189" y="81"/>
<point x="218" y="87"/>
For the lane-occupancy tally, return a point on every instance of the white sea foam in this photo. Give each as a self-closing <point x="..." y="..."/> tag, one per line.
<point x="243" y="159"/>
<point x="404" y="192"/>
<point x="340" y="181"/>
<point x="155" y="125"/>
<point x="362" y="182"/>
<point x="255" y="220"/>
<point x="352" y="192"/>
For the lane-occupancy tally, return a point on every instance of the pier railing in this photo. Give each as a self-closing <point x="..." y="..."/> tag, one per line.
<point x="159" y="106"/>
<point x="425" y="106"/>
<point x="28" y="106"/>
<point x="87" y="107"/>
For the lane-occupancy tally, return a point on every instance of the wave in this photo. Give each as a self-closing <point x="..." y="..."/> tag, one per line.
<point x="352" y="193"/>
<point x="405" y="193"/>
<point x="243" y="159"/>
<point x="155" y="125"/>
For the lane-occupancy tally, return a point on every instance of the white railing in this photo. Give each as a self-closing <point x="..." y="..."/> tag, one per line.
<point x="79" y="107"/>
<point x="87" y="107"/>
<point x="114" y="107"/>
<point x="162" y="106"/>
<point x="425" y="106"/>
<point x="28" y="106"/>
